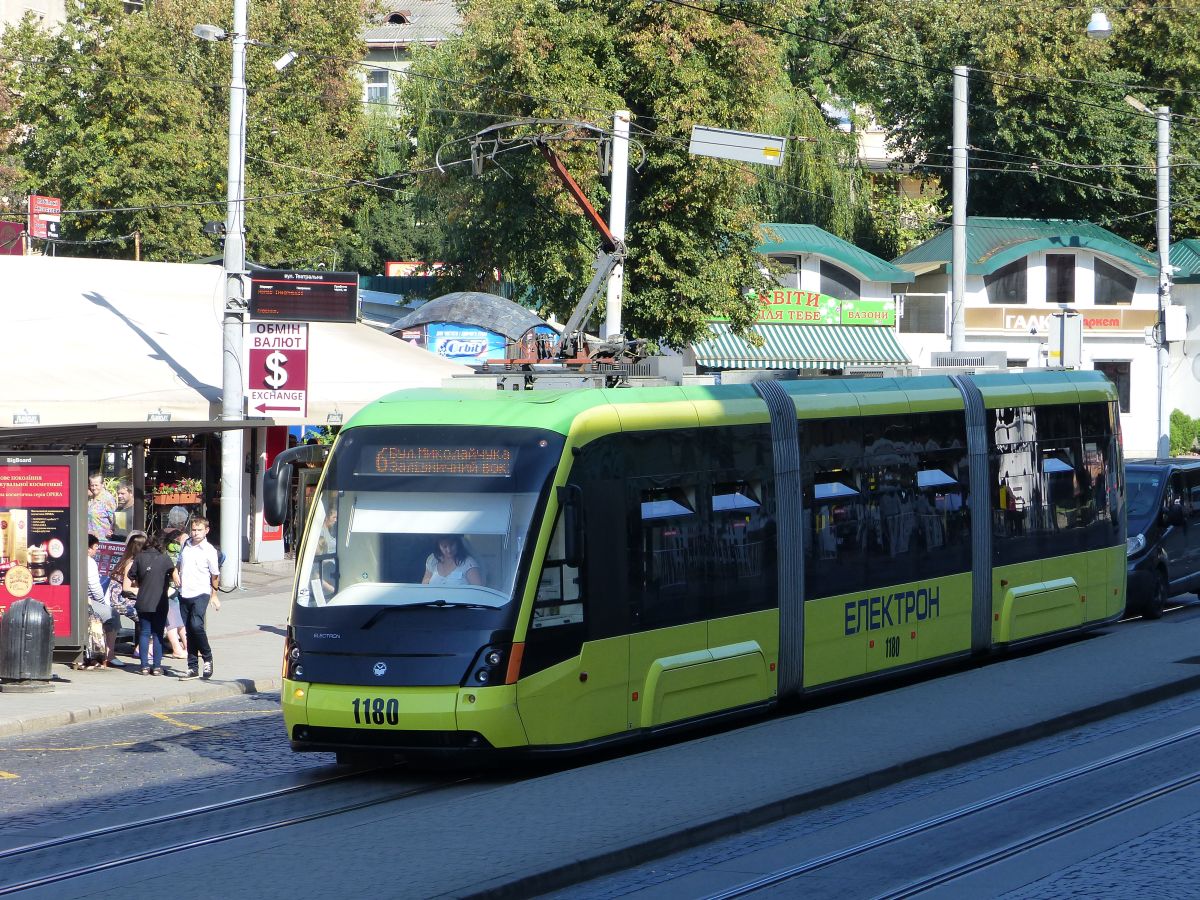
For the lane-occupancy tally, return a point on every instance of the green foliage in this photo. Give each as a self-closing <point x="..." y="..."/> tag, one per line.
<point x="1049" y="131"/>
<point x="1183" y="432"/>
<point x="691" y="221"/>
<point x="125" y="117"/>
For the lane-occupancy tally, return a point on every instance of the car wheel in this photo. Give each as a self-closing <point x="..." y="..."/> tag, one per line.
<point x="1157" y="601"/>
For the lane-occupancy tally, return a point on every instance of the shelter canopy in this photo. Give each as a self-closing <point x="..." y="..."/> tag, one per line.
<point x="114" y="341"/>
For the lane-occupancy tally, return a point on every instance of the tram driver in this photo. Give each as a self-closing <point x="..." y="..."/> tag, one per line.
<point x="450" y="564"/>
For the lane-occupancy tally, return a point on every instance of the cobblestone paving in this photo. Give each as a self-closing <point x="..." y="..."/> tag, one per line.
<point x="679" y="865"/>
<point x="130" y="763"/>
<point x="1161" y="864"/>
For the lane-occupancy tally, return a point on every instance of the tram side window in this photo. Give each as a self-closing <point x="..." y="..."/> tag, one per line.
<point x="558" y="601"/>
<point x="1012" y="438"/>
<point x="838" y="536"/>
<point x="669" y="588"/>
<point x="741" y="549"/>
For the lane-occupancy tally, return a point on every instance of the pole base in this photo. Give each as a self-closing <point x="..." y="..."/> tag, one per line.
<point x="26" y="687"/>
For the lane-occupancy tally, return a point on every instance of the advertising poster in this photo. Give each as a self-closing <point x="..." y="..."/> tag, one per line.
<point x="463" y="343"/>
<point x="37" y="540"/>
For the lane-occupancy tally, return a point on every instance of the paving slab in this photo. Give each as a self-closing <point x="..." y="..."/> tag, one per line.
<point x="246" y="634"/>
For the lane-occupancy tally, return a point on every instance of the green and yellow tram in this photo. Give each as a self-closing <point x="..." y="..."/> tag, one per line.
<point x="646" y="558"/>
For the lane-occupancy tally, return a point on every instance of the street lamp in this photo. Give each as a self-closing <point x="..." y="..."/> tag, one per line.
<point x="234" y="265"/>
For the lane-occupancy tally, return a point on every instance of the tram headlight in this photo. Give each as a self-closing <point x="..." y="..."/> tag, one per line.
<point x="295" y="654"/>
<point x="488" y="666"/>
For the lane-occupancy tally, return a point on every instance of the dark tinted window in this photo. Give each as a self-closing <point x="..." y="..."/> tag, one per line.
<point x="888" y="509"/>
<point x="1113" y="285"/>
<point x="837" y="282"/>
<point x="1060" y="278"/>
<point x="1007" y="285"/>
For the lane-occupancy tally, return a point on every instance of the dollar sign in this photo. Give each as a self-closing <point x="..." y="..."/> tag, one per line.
<point x="278" y="375"/>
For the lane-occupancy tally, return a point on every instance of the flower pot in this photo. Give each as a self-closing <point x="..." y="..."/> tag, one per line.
<point x="180" y="499"/>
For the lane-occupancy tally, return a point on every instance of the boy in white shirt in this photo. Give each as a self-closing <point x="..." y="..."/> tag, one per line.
<point x="197" y="577"/>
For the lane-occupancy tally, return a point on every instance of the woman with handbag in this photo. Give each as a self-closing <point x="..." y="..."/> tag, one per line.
<point x="123" y="602"/>
<point x="154" y="572"/>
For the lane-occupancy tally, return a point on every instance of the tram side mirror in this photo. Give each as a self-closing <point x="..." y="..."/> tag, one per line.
<point x="277" y="480"/>
<point x="570" y="500"/>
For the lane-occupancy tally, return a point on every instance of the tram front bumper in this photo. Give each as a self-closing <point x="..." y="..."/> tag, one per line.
<point x="330" y="717"/>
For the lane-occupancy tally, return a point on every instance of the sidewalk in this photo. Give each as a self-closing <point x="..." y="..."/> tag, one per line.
<point x="247" y="639"/>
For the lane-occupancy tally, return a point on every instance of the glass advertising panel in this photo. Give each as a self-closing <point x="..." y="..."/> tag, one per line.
<point x="42" y="537"/>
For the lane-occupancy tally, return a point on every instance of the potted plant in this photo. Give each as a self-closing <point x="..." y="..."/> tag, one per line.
<point x="181" y="491"/>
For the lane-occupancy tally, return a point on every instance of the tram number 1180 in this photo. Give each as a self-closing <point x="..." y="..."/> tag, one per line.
<point x="376" y="711"/>
<point x="891" y="646"/>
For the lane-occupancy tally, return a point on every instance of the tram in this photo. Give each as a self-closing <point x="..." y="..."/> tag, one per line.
<point x="614" y="563"/>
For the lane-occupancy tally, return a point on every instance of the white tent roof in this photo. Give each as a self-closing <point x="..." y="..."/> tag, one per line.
<point x="88" y="340"/>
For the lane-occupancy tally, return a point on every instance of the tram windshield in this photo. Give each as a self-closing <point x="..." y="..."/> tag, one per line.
<point x="423" y="516"/>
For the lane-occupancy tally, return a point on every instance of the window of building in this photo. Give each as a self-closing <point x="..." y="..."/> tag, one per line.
<point x="1007" y="285"/>
<point x="1118" y="374"/>
<point x="379" y="86"/>
<point x="924" y="315"/>
<point x="1113" y="285"/>
<point x="1060" y="278"/>
<point x="837" y="282"/>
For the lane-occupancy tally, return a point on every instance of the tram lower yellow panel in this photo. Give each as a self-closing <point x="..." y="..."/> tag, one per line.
<point x="704" y="681"/>
<point x="420" y="708"/>
<point x="493" y="713"/>
<point x="1043" y="607"/>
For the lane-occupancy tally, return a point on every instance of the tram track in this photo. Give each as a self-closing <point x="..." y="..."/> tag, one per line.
<point x="1008" y="849"/>
<point x="78" y="844"/>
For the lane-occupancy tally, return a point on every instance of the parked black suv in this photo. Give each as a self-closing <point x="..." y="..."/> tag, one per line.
<point x="1163" y="547"/>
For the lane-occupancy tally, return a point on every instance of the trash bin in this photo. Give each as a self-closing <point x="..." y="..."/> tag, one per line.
<point x="26" y="647"/>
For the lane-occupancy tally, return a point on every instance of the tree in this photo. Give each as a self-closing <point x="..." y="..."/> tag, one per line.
<point x="125" y="116"/>
<point x="691" y="221"/>
<point x="1049" y="131"/>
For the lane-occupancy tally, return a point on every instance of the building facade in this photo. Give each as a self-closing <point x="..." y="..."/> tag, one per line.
<point x="1023" y="272"/>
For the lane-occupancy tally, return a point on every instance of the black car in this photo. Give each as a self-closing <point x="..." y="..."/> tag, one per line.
<point x="1163" y="546"/>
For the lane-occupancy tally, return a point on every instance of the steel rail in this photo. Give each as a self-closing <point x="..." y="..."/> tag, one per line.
<point x="837" y="856"/>
<point x="93" y="868"/>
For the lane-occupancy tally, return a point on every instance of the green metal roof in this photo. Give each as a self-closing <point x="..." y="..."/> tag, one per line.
<point x="994" y="242"/>
<point x="783" y="238"/>
<point x="800" y="347"/>
<point x="1185" y="257"/>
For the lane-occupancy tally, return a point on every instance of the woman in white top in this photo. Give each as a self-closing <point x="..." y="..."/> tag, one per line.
<point x="450" y="564"/>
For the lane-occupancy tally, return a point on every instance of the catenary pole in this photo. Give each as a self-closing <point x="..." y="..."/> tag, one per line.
<point x="958" y="253"/>
<point x="616" y="218"/>
<point x="1163" y="227"/>
<point x="232" y="454"/>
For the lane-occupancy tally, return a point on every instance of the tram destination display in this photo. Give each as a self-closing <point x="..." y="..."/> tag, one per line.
<point x="299" y="296"/>
<point x="417" y="459"/>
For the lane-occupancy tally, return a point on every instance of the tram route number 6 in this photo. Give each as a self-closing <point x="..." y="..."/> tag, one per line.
<point x="376" y="711"/>
<point x="891" y="647"/>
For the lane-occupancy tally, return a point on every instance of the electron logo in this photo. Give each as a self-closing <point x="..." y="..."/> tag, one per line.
<point x="380" y="669"/>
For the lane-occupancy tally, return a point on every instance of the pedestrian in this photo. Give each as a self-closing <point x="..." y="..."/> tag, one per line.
<point x="122" y="600"/>
<point x="176" y="632"/>
<point x="153" y="571"/>
<point x="198" y="577"/>
<point x="101" y="508"/>
<point x="123" y="520"/>
<point x="100" y="612"/>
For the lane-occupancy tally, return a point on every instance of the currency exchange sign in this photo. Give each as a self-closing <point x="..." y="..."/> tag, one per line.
<point x="277" y="368"/>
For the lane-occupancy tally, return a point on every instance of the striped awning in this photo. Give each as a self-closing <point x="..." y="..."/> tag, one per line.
<point x="801" y="347"/>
